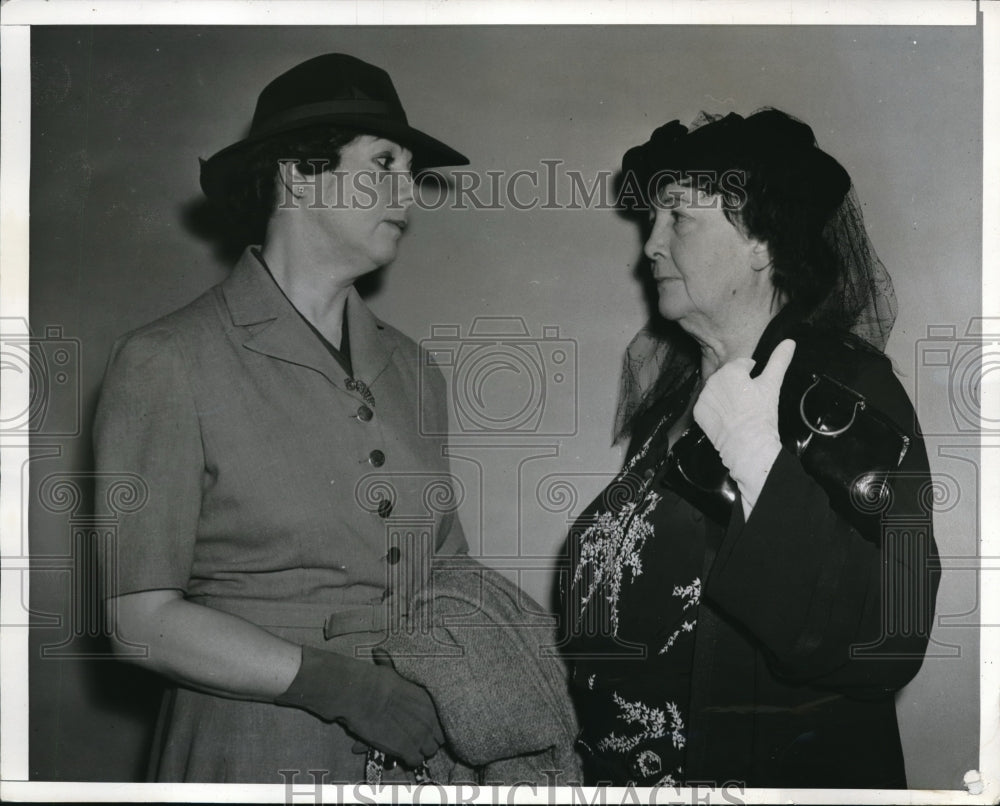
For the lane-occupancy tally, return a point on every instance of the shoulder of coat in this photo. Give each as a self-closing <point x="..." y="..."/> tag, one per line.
<point x="842" y="355"/>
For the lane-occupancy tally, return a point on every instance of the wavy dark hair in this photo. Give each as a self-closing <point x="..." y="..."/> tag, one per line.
<point x="774" y="182"/>
<point x="251" y="201"/>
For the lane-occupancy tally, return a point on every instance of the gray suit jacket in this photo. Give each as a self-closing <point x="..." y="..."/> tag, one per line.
<point x="266" y="483"/>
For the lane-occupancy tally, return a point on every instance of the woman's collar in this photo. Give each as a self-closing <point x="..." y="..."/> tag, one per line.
<point x="784" y="324"/>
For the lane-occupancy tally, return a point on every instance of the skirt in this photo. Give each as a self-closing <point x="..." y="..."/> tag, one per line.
<point x="203" y="738"/>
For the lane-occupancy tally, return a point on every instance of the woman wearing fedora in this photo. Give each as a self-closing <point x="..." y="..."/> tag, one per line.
<point x="255" y="417"/>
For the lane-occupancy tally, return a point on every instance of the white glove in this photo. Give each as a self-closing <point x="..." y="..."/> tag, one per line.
<point x="739" y="414"/>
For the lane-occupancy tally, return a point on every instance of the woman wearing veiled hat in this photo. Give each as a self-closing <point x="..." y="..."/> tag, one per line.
<point x="253" y="417"/>
<point x="758" y="582"/>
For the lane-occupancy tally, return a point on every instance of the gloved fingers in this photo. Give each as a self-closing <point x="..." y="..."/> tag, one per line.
<point x="732" y="379"/>
<point x="711" y="412"/>
<point x="422" y="716"/>
<point x="399" y="745"/>
<point x="778" y="363"/>
<point x="429" y="747"/>
<point x="727" y="388"/>
<point x="426" y="716"/>
<point x="705" y="412"/>
<point x="438" y="732"/>
<point x="731" y="398"/>
<point x="410" y="742"/>
<point x="412" y="756"/>
<point x="413" y="697"/>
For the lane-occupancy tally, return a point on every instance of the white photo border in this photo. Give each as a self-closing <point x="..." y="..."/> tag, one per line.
<point x="16" y="17"/>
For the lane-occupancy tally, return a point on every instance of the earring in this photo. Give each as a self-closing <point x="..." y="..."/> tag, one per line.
<point x="768" y="265"/>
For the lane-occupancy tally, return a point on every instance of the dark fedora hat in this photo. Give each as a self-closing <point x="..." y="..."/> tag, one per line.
<point x="334" y="89"/>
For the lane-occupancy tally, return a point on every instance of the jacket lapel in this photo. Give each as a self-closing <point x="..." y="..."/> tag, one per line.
<point x="274" y="328"/>
<point x="370" y="351"/>
<point x="782" y="326"/>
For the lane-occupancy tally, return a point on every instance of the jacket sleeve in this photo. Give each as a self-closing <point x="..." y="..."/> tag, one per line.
<point x="147" y="426"/>
<point x="826" y="605"/>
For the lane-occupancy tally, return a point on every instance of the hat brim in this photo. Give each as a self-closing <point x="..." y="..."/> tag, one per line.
<point x="220" y="171"/>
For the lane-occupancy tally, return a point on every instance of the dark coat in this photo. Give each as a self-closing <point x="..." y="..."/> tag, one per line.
<point x="805" y="627"/>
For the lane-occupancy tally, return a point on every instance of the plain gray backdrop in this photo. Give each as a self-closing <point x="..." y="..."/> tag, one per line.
<point x="118" y="237"/>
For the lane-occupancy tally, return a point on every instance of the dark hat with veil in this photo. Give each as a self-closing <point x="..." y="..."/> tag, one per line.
<point x="780" y="155"/>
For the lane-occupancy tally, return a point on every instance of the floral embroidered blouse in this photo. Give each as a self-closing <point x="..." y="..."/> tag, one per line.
<point x="632" y="599"/>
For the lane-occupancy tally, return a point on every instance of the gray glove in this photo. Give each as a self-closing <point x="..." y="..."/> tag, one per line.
<point x="374" y="703"/>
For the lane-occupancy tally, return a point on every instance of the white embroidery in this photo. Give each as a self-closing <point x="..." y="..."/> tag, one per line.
<point x="613" y="543"/>
<point x="686" y="626"/>
<point x="641" y="452"/>
<point x="691" y="594"/>
<point x="611" y="547"/>
<point x="653" y="722"/>
<point x="676" y="726"/>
